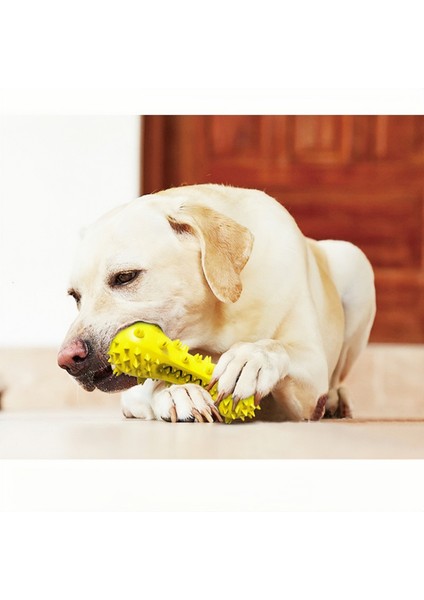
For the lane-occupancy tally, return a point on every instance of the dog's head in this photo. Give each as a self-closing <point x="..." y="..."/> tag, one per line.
<point x="150" y="261"/>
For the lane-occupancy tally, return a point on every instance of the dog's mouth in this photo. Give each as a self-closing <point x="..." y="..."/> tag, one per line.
<point x="102" y="375"/>
<point x="105" y="381"/>
<point x="98" y="373"/>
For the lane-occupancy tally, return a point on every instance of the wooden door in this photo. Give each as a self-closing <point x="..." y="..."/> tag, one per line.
<point x="358" y="178"/>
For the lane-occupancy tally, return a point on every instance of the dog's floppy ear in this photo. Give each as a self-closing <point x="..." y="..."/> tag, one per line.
<point x="225" y="247"/>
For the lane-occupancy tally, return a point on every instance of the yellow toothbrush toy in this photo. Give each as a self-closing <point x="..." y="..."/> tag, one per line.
<point x="144" y="351"/>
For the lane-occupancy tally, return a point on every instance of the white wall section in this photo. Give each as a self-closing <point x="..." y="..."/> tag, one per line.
<point x="57" y="174"/>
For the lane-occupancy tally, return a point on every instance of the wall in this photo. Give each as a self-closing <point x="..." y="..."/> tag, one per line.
<point x="57" y="174"/>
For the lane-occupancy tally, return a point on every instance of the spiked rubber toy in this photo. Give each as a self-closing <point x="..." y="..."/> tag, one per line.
<point x="144" y="351"/>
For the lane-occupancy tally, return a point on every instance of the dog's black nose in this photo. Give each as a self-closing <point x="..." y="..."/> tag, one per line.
<point x="72" y="356"/>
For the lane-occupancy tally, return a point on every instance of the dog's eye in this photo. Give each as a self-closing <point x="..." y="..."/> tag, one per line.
<point x="123" y="278"/>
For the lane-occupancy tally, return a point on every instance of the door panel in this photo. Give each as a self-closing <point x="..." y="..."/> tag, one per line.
<point x="358" y="178"/>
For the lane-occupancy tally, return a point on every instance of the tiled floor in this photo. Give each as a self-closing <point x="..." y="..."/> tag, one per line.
<point x="386" y="385"/>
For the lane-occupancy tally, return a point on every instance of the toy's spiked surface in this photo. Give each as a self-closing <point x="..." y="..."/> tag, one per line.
<point x="144" y="351"/>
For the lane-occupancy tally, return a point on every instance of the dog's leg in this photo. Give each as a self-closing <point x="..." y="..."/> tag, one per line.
<point x="137" y="401"/>
<point x="187" y="402"/>
<point x="338" y="405"/>
<point x="354" y="279"/>
<point x="297" y="378"/>
<point x="154" y="400"/>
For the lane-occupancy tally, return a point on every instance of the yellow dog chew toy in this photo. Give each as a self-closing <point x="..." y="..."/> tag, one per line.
<point x="144" y="351"/>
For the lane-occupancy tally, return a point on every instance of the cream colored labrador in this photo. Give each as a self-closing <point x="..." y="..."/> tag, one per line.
<point x="227" y="271"/>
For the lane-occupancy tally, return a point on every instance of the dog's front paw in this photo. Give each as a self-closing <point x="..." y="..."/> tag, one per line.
<point x="248" y="369"/>
<point x="136" y="402"/>
<point x="187" y="402"/>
